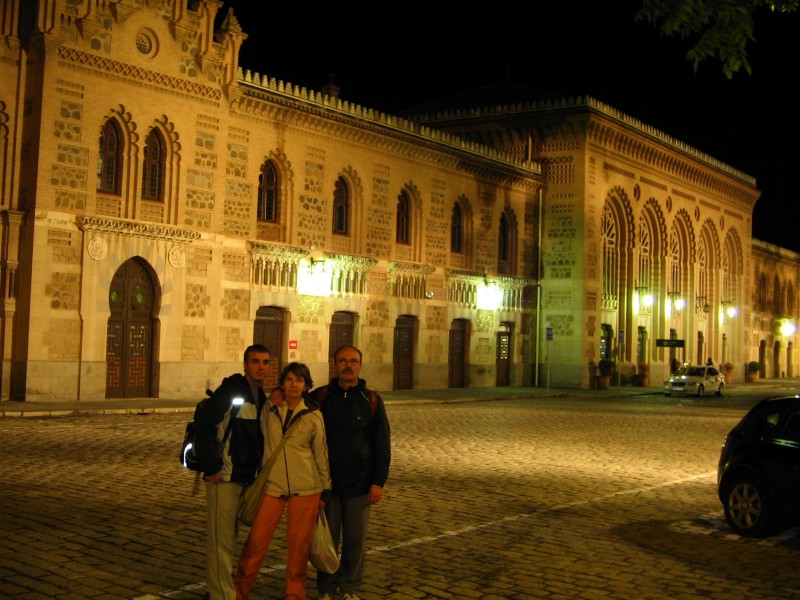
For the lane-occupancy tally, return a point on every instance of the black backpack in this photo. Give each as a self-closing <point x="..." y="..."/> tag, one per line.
<point x="187" y="456"/>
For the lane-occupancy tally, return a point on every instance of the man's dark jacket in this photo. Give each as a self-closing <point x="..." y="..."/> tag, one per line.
<point x="359" y="445"/>
<point x="245" y="445"/>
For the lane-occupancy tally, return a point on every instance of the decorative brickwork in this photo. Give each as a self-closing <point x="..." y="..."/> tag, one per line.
<point x="236" y="267"/>
<point x="310" y="310"/>
<point x="232" y="343"/>
<point x="436" y="318"/>
<point x="193" y="343"/>
<point x="64" y="291"/>
<point x="197" y="300"/>
<point x="235" y="304"/>
<point x="63" y="339"/>
<point x="378" y="314"/>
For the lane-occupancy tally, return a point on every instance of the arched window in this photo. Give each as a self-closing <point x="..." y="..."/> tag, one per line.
<point x="403" y="218"/>
<point x="507" y="244"/>
<point x="268" y="187"/>
<point x="457" y="230"/>
<point x="341" y="207"/>
<point x="153" y="166"/>
<point x="610" y="235"/>
<point x="109" y="165"/>
<point x="645" y="254"/>
<point x="503" y="246"/>
<point x="676" y="271"/>
<point x="762" y="293"/>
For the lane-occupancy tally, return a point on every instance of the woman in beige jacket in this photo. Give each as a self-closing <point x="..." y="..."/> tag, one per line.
<point x="297" y="479"/>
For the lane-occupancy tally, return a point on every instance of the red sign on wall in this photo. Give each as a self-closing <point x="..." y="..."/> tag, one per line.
<point x="292" y="344"/>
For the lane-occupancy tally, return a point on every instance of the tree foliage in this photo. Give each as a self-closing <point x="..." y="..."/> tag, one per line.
<point x="721" y="28"/>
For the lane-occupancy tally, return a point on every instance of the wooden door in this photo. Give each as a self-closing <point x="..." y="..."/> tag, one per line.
<point x="343" y="326"/>
<point x="129" y="333"/>
<point x="457" y="353"/>
<point x="403" y="353"/>
<point x="268" y="330"/>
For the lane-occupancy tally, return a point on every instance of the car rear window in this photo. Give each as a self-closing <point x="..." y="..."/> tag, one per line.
<point x="792" y="428"/>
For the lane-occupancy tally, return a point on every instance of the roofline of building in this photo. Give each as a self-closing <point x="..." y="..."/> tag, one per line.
<point x="776" y="250"/>
<point x="386" y="123"/>
<point x="574" y="104"/>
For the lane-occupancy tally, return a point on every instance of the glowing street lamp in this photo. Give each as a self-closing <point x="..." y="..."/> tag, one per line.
<point x="489" y="296"/>
<point x="313" y="278"/>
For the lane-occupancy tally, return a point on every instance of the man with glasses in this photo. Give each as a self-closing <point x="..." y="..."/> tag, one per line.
<point x="359" y="452"/>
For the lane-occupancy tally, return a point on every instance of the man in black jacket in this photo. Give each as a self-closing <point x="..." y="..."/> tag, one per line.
<point x="229" y="446"/>
<point x="359" y="452"/>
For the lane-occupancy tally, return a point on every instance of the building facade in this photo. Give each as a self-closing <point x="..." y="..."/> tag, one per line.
<point x="162" y="209"/>
<point x="647" y="242"/>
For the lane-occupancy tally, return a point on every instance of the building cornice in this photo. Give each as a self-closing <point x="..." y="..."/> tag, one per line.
<point x="576" y="105"/>
<point x="136" y="229"/>
<point x="389" y="131"/>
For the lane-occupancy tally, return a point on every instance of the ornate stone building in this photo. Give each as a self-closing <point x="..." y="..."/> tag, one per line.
<point x="646" y="250"/>
<point x="774" y="316"/>
<point x="161" y="210"/>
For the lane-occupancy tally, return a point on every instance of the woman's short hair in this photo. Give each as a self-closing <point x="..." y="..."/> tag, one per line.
<point x="299" y="369"/>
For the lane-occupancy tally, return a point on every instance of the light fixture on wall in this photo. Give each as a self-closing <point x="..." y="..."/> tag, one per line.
<point x="314" y="278"/>
<point x="700" y="303"/>
<point x="642" y="299"/>
<point x="728" y="309"/>
<point x="787" y="327"/>
<point x="489" y="296"/>
<point x="676" y="301"/>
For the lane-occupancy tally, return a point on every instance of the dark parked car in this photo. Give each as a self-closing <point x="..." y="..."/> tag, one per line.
<point x="758" y="477"/>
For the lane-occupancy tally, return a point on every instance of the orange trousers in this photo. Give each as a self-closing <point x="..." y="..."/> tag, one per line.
<point x="300" y="524"/>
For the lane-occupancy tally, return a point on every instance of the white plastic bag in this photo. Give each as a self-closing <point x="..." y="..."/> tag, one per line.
<point x="323" y="553"/>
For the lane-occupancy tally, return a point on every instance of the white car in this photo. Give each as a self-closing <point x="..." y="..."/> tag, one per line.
<point x="694" y="379"/>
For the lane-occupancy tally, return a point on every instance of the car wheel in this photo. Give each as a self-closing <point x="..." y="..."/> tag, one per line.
<point x="667" y="394"/>
<point x="701" y="391"/>
<point x="719" y="390"/>
<point x="747" y="506"/>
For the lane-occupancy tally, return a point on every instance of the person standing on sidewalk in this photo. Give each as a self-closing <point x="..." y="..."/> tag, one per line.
<point x="230" y="460"/>
<point x="296" y="480"/>
<point x="359" y="449"/>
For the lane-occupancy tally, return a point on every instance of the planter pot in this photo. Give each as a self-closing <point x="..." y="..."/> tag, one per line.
<point x="643" y="380"/>
<point x="603" y="382"/>
<point x="728" y="378"/>
<point x="751" y="377"/>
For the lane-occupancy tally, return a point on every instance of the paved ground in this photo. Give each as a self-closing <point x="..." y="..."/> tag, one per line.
<point x="542" y="494"/>
<point x="168" y="405"/>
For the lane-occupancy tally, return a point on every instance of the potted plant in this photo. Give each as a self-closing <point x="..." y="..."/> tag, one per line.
<point x="729" y="372"/>
<point x="606" y="368"/>
<point x="753" y="370"/>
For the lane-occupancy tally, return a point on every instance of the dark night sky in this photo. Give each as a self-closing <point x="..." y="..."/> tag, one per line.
<point x="419" y="51"/>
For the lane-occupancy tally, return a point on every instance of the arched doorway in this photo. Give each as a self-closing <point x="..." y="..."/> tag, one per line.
<point x="343" y="325"/>
<point x="268" y="330"/>
<point x="403" y="352"/>
<point x="130" y="348"/>
<point x="457" y="353"/>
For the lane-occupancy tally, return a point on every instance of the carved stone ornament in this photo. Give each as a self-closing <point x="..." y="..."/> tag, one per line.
<point x="177" y="257"/>
<point x="97" y="249"/>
